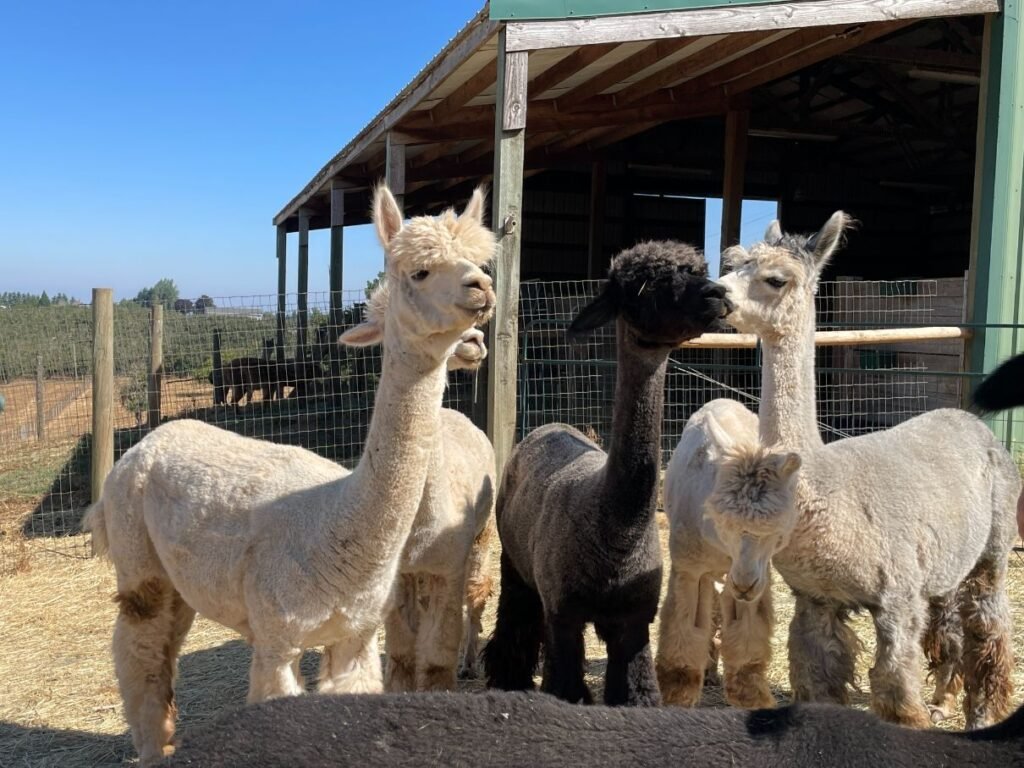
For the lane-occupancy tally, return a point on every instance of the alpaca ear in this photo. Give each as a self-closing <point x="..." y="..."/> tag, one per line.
<point x="827" y="239"/>
<point x="475" y="207"/>
<point x="387" y="216"/>
<point x="734" y="256"/>
<point x="773" y="234"/>
<point x="363" y="335"/>
<point x="601" y="310"/>
<point x="790" y="463"/>
<point x="718" y="434"/>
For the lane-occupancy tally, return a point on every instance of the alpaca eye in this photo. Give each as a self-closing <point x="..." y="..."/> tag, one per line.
<point x="775" y="282"/>
<point x="421" y="275"/>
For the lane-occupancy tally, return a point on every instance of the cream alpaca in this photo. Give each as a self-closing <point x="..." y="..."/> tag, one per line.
<point x="731" y="505"/>
<point x="901" y="522"/>
<point x="288" y="548"/>
<point x="444" y="565"/>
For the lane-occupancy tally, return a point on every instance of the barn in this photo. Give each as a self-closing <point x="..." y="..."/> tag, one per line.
<point x="602" y="122"/>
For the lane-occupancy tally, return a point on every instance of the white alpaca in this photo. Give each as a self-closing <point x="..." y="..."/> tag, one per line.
<point x="901" y="522"/>
<point x="731" y="505"/>
<point x="444" y="565"/>
<point x="290" y="549"/>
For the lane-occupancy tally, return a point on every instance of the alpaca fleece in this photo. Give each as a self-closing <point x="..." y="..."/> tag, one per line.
<point x="579" y="540"/>
<point x="518" y="729"/>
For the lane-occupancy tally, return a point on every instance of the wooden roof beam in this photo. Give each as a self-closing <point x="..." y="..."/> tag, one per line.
<point x="717" y="54"/>
<point x="532" y="35"/>
<point x="562" y="70"/>
<point x="887" y="53"/>
<point x="616" y="73"/>
<point x="483" y="79"/>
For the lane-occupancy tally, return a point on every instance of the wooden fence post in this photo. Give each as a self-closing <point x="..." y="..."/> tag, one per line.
<point x="156" y="362"/>
<point x="40" y="401"/>
<point x="218" y="374"/>
<point x="102" y="388"/>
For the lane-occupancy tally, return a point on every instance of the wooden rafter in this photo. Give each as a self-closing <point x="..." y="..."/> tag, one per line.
<point x="616" y="73"/>
<point x="717" y="54"/>
<point x="917" y="57"/>
<point x="483" y="79"/>
<point x="562" y="70"/>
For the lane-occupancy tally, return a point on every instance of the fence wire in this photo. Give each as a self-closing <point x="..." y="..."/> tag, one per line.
<point x="293" y="385"/>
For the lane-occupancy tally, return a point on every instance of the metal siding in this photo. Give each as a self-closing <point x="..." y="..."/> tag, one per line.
<point x="1000" y="251"/>
<point x="565" y="9"/>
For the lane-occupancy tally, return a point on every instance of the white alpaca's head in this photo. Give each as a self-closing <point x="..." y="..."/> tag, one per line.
<point x="753" y="508"/>
<point x="772" y="285"/>
<point x="467" y="353"/>
<point x="436" y="289"/>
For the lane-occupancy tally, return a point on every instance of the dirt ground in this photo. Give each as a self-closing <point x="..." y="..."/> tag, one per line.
<point x="59" y="703"/>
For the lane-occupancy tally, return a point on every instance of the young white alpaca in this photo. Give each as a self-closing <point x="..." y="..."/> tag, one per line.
<point x="287" y="548"/>
<point x="914" y="518"/>
<point x="731" y="505"/>
<point x="444" y="565"/>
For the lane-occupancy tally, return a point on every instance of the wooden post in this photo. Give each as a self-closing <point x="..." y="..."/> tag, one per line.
<point x="506" y="215"/>
<point x="737" y="122"/>
<point x="156" y="363"/>
<point x="596" y="266"/>
<point x="40" y="400"/>
<point x="302" y="315"/>
<point x="282" y="296"/>
<point x="337" y="267"/>
<point x="218" y="371"/>
<point x="102" y="388"/>
<point x="394" y="165"/>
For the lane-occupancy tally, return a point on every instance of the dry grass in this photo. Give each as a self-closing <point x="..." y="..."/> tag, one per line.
<point x="59" y="703"/>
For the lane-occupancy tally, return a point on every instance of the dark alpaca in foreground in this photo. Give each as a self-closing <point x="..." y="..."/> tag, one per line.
<point x="519" y="729"/>
<point x="578" y="535"/>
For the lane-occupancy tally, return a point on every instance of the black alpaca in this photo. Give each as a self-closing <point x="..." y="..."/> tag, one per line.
<point x="1004" y="387"/>
<point x="519" y="729"/>
<point x="579" y="541"/>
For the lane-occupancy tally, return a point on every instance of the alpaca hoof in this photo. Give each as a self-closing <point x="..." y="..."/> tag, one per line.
<point x="680" y="687"/>
<point x="712" y="678"/>
<point x="468" y="672"/>
<point x="937" y="715"/>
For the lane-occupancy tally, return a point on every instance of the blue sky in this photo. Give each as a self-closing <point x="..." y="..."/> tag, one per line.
<point x="144" y="140"/>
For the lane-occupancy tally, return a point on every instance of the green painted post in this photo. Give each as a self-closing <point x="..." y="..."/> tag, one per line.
<point x="997" y="253"/>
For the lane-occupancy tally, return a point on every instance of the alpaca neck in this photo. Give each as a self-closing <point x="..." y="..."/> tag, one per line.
<point x="788" y="415"/>
<point x="634" y="453"/>
<point x="383" y="492"/>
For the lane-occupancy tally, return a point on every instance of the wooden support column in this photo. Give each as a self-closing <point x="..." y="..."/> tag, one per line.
<point x="40" y="399"/>
<point x="337" y="266"/>
<point x="219" y="389"/>
<point x="596" y="265"/>
<point x="506" y="219"/>
<point x="282" y="295"/>
<point x="302" y="313"/>
<point x="737" y="123"/>
<point x="102" y="388"/>
<point x="156" y="362"/>
<point x="394" y="164"/>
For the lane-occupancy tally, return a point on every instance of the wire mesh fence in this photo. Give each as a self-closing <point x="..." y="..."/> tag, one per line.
<point x="231" y="363"/>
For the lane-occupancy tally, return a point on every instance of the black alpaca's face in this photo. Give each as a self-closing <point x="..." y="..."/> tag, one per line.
<point x="673" y="306"/>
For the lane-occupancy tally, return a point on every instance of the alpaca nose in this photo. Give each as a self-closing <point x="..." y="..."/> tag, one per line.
<point x="742" y="591"/>
<point x="480" y="281"/>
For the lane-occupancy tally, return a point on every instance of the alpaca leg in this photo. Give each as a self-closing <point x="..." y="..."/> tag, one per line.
<point x="685" y="636"/>
<point x="147" y="635"/>
<point x="351" y="666"/>
<point x="747" y="650"/>
<point x="400" y="628"/>
<point x="272" y="672"/>
<point x="479" y="586"/>
<point x="564" y="659"/>
<point x="712" y="677"/>
<point x="437" y="644"/>
<point x="943" y="647"/>
<point x="822" y="652"/>
<point x="510" y="656"/>
<point x="895" y="676"/>
<point x="988" y="646"/>
<point x="630" y="677"/>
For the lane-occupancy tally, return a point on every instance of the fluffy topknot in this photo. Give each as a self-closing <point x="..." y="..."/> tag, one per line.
<point x="656" y="260"/>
